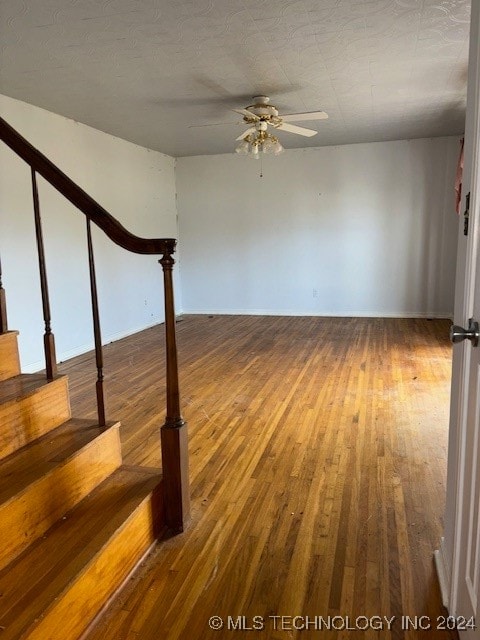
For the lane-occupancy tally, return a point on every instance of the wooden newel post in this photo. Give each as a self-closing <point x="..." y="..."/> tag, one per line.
<point x="174" y="434"/>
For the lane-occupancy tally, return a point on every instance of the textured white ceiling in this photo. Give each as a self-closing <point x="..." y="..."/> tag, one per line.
<point x="145" y="70"/>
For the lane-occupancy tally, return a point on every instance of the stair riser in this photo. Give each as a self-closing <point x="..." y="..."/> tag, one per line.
<point x="24" y="419"/>
<point x="70" y="615"/>
<point x="28" y="515"/>
<point x="9" y="359"/>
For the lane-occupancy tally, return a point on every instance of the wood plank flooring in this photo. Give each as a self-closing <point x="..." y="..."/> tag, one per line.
<point x="318" y="463"/>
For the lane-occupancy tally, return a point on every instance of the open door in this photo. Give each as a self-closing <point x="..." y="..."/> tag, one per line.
<point x="458" y="560"/>
<point x="467" y="556"/>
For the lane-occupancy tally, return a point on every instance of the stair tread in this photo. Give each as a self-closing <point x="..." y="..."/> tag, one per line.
<point x="23" y="385"/>
<point x="32" y="582"/>
<point x="33" y="461"/>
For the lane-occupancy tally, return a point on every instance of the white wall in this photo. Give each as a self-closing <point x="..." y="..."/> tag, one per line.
<point x="135" y="184"/>
<point x="366" y="229"/>
<point x="353" y="230"/>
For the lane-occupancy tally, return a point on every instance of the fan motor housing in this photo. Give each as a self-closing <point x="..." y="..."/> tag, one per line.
<point x="261" y="108"/>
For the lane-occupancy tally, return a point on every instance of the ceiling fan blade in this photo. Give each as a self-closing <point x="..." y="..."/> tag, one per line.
<point x="245" y="112"/>
<point x="215" y="124"/>
<point x="311" y="115"/>
<point x="246" y="133"/>
<point x="292" y="128"/>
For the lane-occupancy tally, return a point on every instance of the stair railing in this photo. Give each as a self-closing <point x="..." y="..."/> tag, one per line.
<point x="48" y="337"/>
<point x="173" y="433"/>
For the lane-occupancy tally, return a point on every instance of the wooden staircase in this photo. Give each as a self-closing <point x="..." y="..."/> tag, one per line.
<point x="74" y="521"/>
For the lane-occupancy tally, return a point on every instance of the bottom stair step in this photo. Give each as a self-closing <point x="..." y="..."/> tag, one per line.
<point x="57" y="586"/>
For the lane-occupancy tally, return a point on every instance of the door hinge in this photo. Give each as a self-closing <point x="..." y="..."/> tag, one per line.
<point x="466" y="215"/>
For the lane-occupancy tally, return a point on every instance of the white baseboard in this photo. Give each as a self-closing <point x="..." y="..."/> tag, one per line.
<point x="85" y="348"/>
<point x="322" y="314"/>
<point x="443" y="573"/>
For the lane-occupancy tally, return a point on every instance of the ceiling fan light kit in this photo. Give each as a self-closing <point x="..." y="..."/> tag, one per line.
<point x="261" y="142"/>
<point x="260" y="115"/>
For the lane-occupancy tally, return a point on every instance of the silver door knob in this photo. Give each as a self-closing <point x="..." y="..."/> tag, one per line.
<point x="459" y="334"/>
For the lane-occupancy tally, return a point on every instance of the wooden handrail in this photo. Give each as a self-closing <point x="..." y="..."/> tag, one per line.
<point x="78" y="197"/>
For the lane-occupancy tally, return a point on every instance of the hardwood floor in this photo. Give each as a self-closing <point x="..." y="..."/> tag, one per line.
<point x="318" y="461"/>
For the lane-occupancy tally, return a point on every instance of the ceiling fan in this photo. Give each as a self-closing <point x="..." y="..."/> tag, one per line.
<point x="261" y="115"/>
<point x="261" y="111"/>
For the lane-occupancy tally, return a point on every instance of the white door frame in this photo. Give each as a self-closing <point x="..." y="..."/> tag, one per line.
<point x="449" y="555"/>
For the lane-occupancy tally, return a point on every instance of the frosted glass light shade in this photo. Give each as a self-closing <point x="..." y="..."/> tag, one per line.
<point x="242" y="148"/>
<point x="277" y="148"/>
<point x="268" y="146"/>
<point x="254" y="151"/>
